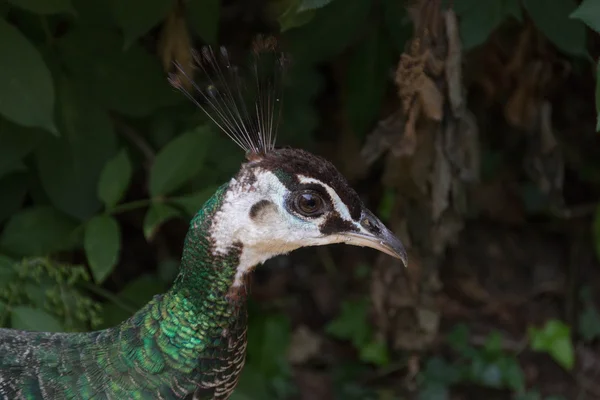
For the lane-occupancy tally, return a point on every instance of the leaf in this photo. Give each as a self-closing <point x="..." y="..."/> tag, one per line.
<point x="555" y="339"/>
<point x="479" y="19"/>
<point x="13" y="188"/>
<point x="554" y="22"/>
<point x="130" y="82"/>
<point x="588" y="12"/>
<point x="157" y="215"/>
<point x="375" y="352"/>
<point x="133" y="297"/>
<point x="598" y="96"/>
<point x="33" y="319"/>
<point x="204" y="16"/>
<point x="26" y="87"/>
<point x="397" y="23"/>
<point x="45" y="6"/>
<point x="194" y="202"/>
<point x="177" y="162"/>
<point x="366" y="80"/>
<point x="114" y="179"/>
<point x="290" y="16"/>
<point x="330" y="31"/>
<point x="16" y="142"/>
<point x="69" y="167"/>
<point x="596" y="231"/>
<point x="37" y="231"/>
<point x="351" y="324"/>
<point x="267" y="352"/>
<point x="312" y="4"/>
<point x="137" y="17"/>
<point x="8" y="271"/>
<point x="102" y="243"/>
<point x="589" y="323"/>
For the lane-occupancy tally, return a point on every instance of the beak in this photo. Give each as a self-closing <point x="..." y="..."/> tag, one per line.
<point x="376" y="236"/>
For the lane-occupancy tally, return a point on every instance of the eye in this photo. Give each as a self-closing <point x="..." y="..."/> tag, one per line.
<point x="309" y="203"/>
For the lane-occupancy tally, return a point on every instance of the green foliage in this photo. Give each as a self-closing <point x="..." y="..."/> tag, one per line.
<point x="554" y="22"/>
<point x="157" y="214"/>
<point x="366" y="79"/>
<point x="352" y="325"/>
<point x="37" y="294"/>
<point x="178" y="161"/>
<point x="114" y="179"/>
<point x="588" y="12"/>
<point x="589" y="319"/>
<point x="37" y="231"/>
<point x="598" y="96"/>
<point x="554" y="338"/>
<point x="204" y="18"/>
<point x="135" y="23"/>
<point x="26" y="87"/>
<point x="267" y="373"/>
<point x="45" y="6"/>
<point x="102" y="243"/>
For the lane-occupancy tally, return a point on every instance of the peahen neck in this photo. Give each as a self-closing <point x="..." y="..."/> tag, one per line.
<point x="204" y="273"/>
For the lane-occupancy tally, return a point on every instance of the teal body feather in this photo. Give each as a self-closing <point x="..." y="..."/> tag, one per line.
<point x="189" y="340"/>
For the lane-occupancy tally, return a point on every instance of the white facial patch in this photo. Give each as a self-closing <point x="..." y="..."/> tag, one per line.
<point x="275" y="232"/>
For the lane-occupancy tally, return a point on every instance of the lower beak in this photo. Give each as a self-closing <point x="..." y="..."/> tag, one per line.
<point x="384" y="241"/>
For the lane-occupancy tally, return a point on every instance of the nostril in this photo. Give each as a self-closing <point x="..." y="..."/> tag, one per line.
<point x="370" y="225"/>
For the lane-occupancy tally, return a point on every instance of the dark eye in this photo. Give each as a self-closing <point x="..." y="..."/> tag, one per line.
<point x="309" y="203"/>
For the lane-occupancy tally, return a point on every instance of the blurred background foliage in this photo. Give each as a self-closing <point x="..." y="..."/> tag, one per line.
<point x="474" y="138"/>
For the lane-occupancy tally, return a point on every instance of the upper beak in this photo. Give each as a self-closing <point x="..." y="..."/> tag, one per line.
<point x="377" y="236"/>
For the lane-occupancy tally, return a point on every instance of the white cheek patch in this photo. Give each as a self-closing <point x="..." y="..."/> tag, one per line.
<point x="277" y="232"/>
<point x="340" y="207"/>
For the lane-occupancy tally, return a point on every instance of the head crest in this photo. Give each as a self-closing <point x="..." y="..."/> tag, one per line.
<point x="245" y="103"/>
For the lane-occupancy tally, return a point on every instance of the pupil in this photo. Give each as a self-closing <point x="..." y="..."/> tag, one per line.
<point x="309" y="201"/>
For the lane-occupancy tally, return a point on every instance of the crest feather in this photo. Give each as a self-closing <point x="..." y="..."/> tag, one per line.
<point x="245" y="103"/>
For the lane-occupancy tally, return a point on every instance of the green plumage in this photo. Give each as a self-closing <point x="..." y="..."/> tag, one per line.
<point x="190" y="339"/>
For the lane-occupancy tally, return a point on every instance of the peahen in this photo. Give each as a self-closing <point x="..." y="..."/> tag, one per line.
<point x="190" y="342"/>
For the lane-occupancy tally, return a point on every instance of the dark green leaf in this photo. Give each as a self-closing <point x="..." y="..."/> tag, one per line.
<point x="13" y="188"/>
<point x="312" y="4"/>
<point x="439" y="370"/>
<point x="194" y="202"/>
<point x="8" y="271"/>
<point x="588" y="12"/>
<point x="330" y="31"/>
<point x="268" y="351"/>
<point x="16" y="142"/>
<point x="351" y="324"/>
<point x="137" y="17"/>
<point x="596" y="230"/>
<point x="26" y="88"/>
<point x="366" y="80"/>
<point x="131" y="82"/>
<point x="292" y="17"/>
<point x="134" y="296"/>
<point x="204" y="17"/>
<point x="375" y="352"/>
<point x="397" y="23"/>
<point x="512" y="373"/>
<point x="157" y="215"/>
<point x="69" y="167"/>
<point x="434" y="391"/>
<point x="554" y="22"/>
<point x="102" y="243"/>
<point x="37" y="231"/>
<point x="589" y="323"/>
<point x="178" y="161"/>
<point x="33" y="319"/>
<point x="598" y="96"/>
<point x="44" y="6"/>
<point x="114" y="179"/>
<point x="555" y="339"/>
<point x="479" y="19"/>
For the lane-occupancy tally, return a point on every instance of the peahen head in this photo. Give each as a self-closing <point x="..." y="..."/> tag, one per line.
<point x="281" y="199"/>
<point x="286" y="199"/>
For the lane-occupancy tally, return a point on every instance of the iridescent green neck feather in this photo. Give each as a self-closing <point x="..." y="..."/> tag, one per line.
<point x="192" y="338"/>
